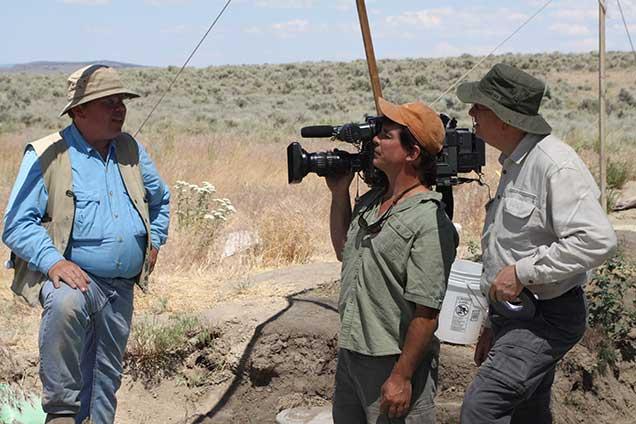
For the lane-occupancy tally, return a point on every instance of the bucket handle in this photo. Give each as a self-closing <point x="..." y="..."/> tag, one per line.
<point x="479" y="304"/>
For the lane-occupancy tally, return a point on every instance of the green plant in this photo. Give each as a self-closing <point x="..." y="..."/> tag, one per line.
<point x="157" y="350"/>
<point x="618" y="173"/>
<point x="199" y="210"/>
<point x="610" y="313"/>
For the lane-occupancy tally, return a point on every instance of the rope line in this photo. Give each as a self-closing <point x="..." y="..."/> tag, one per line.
<point x="626" y="27"/>
<point x="183" y="67"/>
<point x="460" y="79"/>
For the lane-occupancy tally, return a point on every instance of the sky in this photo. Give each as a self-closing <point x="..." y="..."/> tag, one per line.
<point x="164" y="32"/>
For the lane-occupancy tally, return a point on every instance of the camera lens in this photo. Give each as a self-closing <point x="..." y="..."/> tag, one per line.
<point x="300" y="163"/>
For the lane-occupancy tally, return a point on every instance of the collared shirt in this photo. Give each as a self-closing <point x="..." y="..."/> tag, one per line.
<point x="108" y="237"/>
<point x="384" y="275"/>
<point x="546" y="219"/>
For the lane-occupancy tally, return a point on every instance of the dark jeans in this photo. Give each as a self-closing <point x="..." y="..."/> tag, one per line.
<point x="514" y="383"/>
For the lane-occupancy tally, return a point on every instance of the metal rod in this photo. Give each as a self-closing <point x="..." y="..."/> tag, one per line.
<point x="602" y="119"/>
<point x="368" y="49"/>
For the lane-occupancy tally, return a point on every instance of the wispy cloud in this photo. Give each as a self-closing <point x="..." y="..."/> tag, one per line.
<point x="177" y="29"/>
<point x="570" y="29"/>
<point x="425" y="18"/>
<point x="87" y="2"/>
<point x="290" y="28"/>
<point x="285" y="4"/>
<point x="576" y="14"/>
<point x="166" y="2"/>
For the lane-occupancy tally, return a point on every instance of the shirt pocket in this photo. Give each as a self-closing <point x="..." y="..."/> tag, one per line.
<point x="520" y="211"/>
<point x="87" y="225"/>
<point x="393" y="241"/>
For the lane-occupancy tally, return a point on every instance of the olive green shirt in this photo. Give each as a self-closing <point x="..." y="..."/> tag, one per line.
<point x="384" y="275"/>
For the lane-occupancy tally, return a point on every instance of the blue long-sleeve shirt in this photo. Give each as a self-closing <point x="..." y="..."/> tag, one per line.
<point x="108" y="237"/>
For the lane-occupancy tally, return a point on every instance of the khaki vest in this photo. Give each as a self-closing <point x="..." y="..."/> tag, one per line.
<point x="52" y="152"/>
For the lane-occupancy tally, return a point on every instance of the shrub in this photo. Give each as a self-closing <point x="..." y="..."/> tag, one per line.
<point x="157" y="350"/>
<point x="197" y="206"/>
<point x="618" y="173"/>
<point x="610" y="314"/>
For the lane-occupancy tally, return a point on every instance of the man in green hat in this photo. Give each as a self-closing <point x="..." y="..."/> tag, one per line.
<point x="85" y="220"/>
<point x="544" y="231"/>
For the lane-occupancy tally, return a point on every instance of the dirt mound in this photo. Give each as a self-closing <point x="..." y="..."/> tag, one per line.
<point x="290" y="361"/>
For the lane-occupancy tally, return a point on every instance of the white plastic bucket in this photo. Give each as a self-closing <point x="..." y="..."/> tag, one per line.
<point x="464" y="307"/>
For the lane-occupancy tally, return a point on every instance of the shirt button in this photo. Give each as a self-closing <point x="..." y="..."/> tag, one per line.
<point x="110" y="193"/>
<point x="499" y="197"/>
<point x="119" y="239"/>
<point x="504" y="172"/>
<point x="116" y="215"/>
<point x="530" y="282"/>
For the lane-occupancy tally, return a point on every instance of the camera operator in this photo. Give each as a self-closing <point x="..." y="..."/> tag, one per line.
<point x="396" y="248"/>
<point x="544" y="231"/>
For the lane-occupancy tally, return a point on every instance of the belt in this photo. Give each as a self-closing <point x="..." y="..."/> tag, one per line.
<point x="574" y="291"/>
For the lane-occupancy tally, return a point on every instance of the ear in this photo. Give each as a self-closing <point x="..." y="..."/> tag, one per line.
<point x="78" y="112"/>
<point x="414" y="153"/>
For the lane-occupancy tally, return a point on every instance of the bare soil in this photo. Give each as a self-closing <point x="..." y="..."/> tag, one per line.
<point x="289" y="361"/>
<point x="276" y="349"/>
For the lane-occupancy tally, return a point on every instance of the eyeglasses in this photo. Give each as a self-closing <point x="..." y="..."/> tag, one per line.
<point x="376" y="226"/>
<point x="112" y="102"/>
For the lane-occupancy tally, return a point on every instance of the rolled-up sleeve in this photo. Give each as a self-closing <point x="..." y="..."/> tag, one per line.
<point x="158" y="200"/>
<point x="585" y="237"/>
<point x="428" y="266"/>
<point x="23" y="231"/>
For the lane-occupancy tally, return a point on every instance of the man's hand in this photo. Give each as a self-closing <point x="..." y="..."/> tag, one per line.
<point x="70" y="273"/>
<point x="484" y="344"/>
<point x="152" y="259"/>
<point x="506" y="286"/>
<point x="396" y="396"/>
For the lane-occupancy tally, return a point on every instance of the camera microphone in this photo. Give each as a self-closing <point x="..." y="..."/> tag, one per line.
<point x="318" y="131"/>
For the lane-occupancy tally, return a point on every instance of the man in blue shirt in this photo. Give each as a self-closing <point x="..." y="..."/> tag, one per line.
<point x="117" y="221"/>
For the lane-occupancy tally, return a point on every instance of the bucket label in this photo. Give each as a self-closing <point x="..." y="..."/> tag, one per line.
<point x="475" y="315"/>
<point x="461" y="313"/>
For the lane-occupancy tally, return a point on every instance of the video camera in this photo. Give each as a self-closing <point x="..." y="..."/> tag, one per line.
<point x="463" y="152"/>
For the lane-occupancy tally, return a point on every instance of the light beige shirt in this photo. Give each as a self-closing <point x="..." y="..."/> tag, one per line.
<point x="546" y="219"/>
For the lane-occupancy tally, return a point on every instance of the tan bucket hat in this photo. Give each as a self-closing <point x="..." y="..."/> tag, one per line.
<point x="93" y="82"/>
<point x="423" y="122"/>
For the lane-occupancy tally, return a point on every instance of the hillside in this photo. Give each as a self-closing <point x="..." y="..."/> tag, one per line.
<point x="42" y="67"/>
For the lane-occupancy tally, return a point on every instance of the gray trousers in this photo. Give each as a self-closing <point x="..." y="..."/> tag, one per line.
<point x="514" y="383"/>
<point x="359" y="379"/>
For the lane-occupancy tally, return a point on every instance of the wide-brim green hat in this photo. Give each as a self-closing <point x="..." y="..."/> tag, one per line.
<point x="91" y="83"/>
<point x="513" y="95"/>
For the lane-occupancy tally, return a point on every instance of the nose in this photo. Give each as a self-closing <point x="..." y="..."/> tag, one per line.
<point x="472" y="111"/>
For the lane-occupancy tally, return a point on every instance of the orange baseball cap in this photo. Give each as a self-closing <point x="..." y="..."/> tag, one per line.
<point x="423" y="122"/>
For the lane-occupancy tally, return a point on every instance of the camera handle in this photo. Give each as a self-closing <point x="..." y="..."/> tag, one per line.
<point x="447" y="198"/>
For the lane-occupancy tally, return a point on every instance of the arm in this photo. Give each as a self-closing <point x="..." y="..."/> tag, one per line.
<point x="340" y="211"/>
<point x="428" y="268"/>
<point x="23" y="231"/>
<point x="396" y="390"/>
<point x="585" y="237"/>
<point x="158" y="204"/>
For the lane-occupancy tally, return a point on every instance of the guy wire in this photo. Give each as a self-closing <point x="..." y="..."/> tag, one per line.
<point x="183" y="67"/>
<point x="626" y="27"/>
<point x="460" y="79"/>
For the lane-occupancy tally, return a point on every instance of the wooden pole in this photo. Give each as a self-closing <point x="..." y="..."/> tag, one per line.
<point x="602" y="124"/>
<point x="368" y="50"/>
